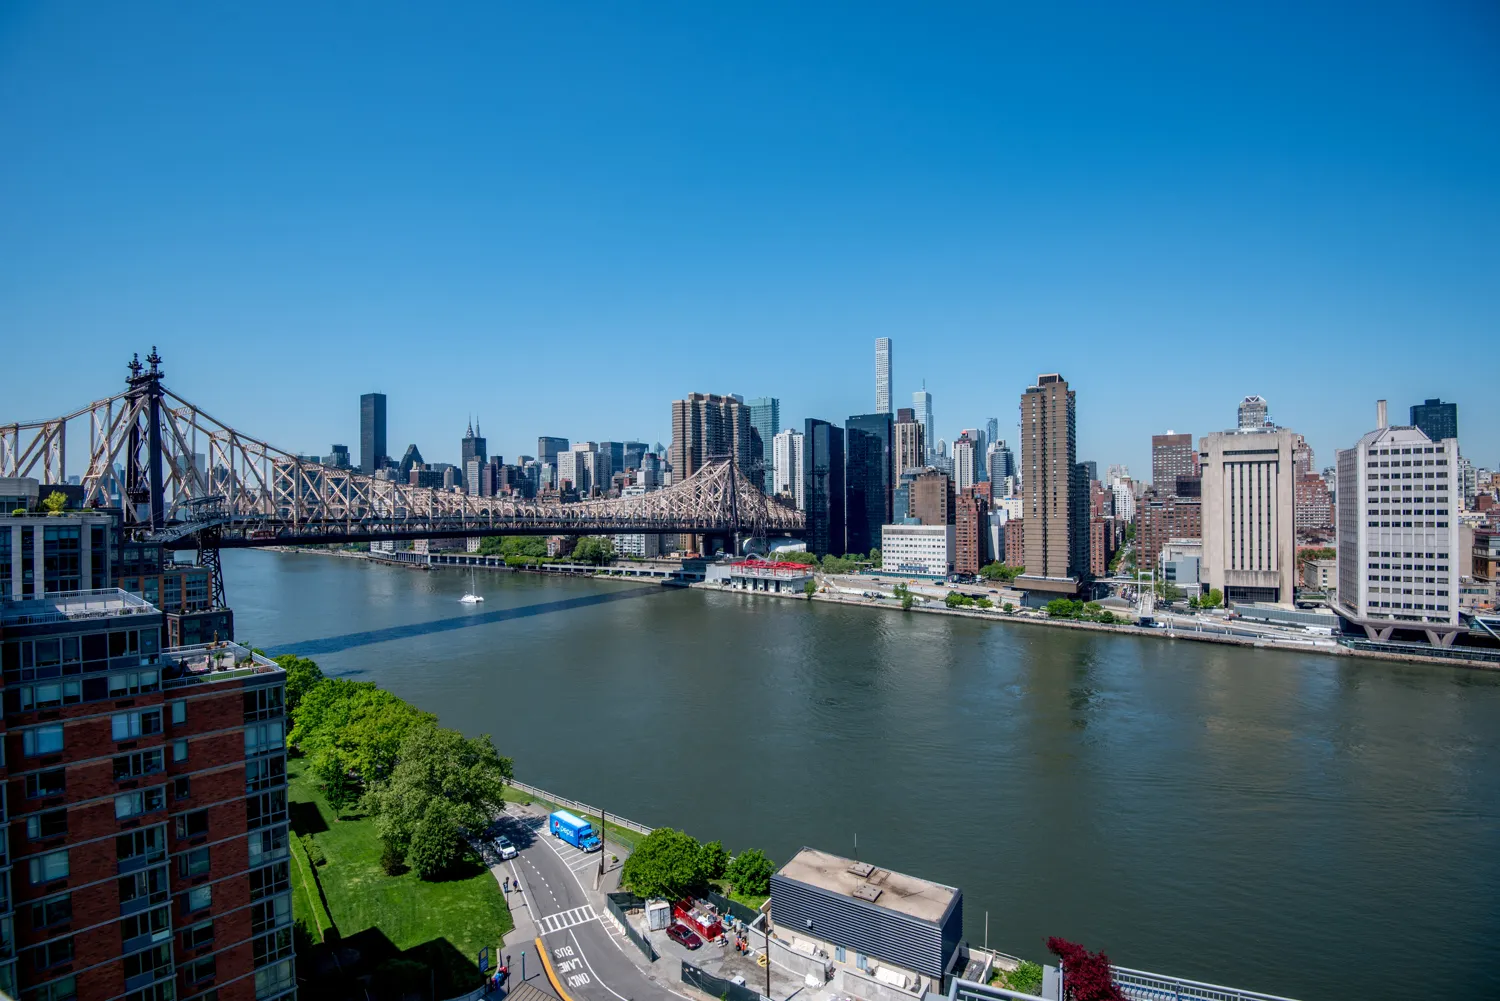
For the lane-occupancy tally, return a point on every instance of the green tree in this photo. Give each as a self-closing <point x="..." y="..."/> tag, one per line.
<point x="1062" y="608"/>
<point x="593" y="549"/>
<point x="749" y="873"/>
<point x="301" y="675"/>
<point x="875" y="559"/>
<point x="434" y="843"/>
<point x="809" y="588"/>
<point x="984" y="603"/>
<point x="712" y="860"/>
<point x="1026" y="978"/>
<point x="1007" y="608"/>
<point x="798" y="556"/>
<point x="1214" y="599"/>
<point x="666" y="863"/>
<point x="351" y="732"/>
<point x="54" y="502"/>
<point x="461" y="778"/>
<point x="903" y="592"/>
<point x="1000" y="571"/>
<point x="841" y="564"/>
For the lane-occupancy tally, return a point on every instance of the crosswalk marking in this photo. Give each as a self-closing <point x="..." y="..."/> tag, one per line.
<point x="567" y="919"/>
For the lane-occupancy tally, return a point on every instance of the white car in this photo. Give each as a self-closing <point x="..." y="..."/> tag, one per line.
<point x="507" y="850"/>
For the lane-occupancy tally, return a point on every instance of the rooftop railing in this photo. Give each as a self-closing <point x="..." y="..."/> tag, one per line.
<point x="67" y="606"/>
<point x="211" y="662"/>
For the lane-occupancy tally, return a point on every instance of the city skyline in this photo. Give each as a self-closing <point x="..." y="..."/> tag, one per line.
<point x="367" y="244"/>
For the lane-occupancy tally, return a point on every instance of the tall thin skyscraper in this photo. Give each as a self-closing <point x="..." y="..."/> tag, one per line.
<point x="765" y="417"/>
<point x="823" y="486"/>
<point x="867" y="478"/>
<point x="787" y="466"/>
<point x="1052" y="488"/>
<point x="991" y="432"/>
<point x="921" y="402"/>
<point x="473" y="446"/>
<point x="882" y="375"/>
<point x="966" y="462"/>
<point x="372" y="453"/>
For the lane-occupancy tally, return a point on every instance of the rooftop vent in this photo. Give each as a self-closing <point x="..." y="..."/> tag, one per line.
<point x="861" y="869"/>
<point x="865" y="891"/>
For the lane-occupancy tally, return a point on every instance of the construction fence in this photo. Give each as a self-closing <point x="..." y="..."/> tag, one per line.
<point x="726" y="990"/>
<point x="620" y="905"/>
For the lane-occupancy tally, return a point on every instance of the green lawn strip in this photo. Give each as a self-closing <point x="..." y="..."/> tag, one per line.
<point x="441" y="923"/>
<point x="307" y="904"/>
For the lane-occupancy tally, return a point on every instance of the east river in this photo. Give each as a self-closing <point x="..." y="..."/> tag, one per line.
<point x="1302" y="825"/>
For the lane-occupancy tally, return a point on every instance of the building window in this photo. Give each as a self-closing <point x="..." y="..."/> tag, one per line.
<point x="180" y="787"/>
<point x="42" y="784"/>
<point x="128" y="726"/>
<point x="47" y="825"/>
<point x="269" y="914"/>
<point x="179" y="750"/>
<point x="42" y="740"/>
<point x="179" y="712"/>
<point x="52" y="953"/>
<point x="52" y="911"/>
<point x="198" y="898"/>
<point x="142" y="847"/>
<point x="154" y="962"/>
<point x="270" y="880"/>
<point x="155" y="923"/>
<point x="192" y="825"/>
<point x="132" y="683"/>
<point x="65" y="989"/>
<point x="129" y="766"/>
<point x="264" y="737"/>
<point x="150" y="885"/>
<point x="46" y="868"/>
<point x="276" y="945"/>
<point x="263" y="773"/>
<point x="199" y="970"/>
<point x="263" y="703"/>
<point x="193" y="864"/>
<point x="273" y="980"/>
<point x="267" y="845"/>
<point x="133" y="804"/>
<point x="265" y="808"/>
<point x="198" y="936"/>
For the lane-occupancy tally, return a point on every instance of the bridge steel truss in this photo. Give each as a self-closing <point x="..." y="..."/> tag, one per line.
<point x="182" y="477"/>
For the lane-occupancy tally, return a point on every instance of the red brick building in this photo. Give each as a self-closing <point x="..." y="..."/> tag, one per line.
<point x="146" y="788"/>
<point x="1160" y="517"/>
<point x="1015" y="539"/>
<point x="1313" y="507"/>
<point x="971" y="525"/>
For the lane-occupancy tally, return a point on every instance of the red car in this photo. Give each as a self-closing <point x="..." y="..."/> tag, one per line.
<point x="685" y="936"/>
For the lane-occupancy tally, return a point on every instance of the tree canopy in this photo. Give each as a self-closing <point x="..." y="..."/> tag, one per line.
<point x="1000" y="571"/>
<point x="54" y="502"/>
<point x="513" y="545"/>
<point x="351" y="732"/>
<point x="667" y="863"/>
<point x="593" y="549"/>
<point x="749" y="873"/>
<point x="301" y="675"/>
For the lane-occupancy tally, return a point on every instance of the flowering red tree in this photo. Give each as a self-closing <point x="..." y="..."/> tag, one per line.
<point x="1085" y="974"/>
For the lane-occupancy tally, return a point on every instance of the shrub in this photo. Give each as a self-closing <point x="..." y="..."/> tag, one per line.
<point x="1026" y="978"/>
<point x="434" y="845"/>
<point x="392" y="860"/>
<point x="750" y="872"/>
<point x="314" y="851"/>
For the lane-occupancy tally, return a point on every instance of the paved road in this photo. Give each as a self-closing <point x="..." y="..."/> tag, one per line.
<point x="586" y="950"/>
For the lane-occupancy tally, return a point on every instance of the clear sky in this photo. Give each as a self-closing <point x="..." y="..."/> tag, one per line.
<point x="562" y="216"/>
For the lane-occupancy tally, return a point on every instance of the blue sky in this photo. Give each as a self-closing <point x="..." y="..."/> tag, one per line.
<point x="562" y="216"/>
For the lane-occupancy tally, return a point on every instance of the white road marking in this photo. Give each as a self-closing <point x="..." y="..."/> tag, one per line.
<point x="567" y="919"/>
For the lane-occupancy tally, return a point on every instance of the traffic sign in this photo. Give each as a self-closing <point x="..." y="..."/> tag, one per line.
<point x="484" y="960"/>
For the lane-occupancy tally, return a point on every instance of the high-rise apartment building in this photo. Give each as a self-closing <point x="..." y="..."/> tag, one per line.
<point x="1302" y="457"/>
<point x="965" y="462"/>
<point x="1160" y="518"/>
<point x="1249" y="514"/>
<point x="1172" y="455"/>
<point x="882" y="375"/>
<point x="765" y="417"/>
<point x="337" y="457"/>
<point x="1314" y="505"/>
<point x="1254" y="414"/>
<point x="867" y="480"/>
<point x="970" y="531"/>
<point x="921" y="402"/>
<point x="372" y="452"/>
<point x="908" y="445"/>
<point x="171" y="761"/>
<point x="1398" y="534"/>
<point x="931" y="498"/>
<point x="823" y="486"/>
<point x="1436" y="419"/>
<point x="707" y="427"/>
<point x="786" y="467"/>
<point x="1053" y="490"/>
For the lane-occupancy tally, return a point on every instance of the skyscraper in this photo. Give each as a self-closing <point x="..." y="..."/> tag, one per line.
<point x="966" y="462"/>
<point x="823" y="486"/>
<point x="1249" y="514"/>
<point x="615" y="450"/>
<point x="787" y="466"/>
<point x="765" y="417"/>
<point x="706" y="427"/>
<point x="547" y="449"/>
<point x="971" y="526"/>
<point x="1436" y="419"/>
<point x="473" y="447"/>
<point x="921" y="402"/>
<point x="908" y="445"/>
<point x="1052" y="489"/>
<point x="1172" y="455"/>
<point x="867" y="479"/>
<point x="1000" y="462"/>
<point x="1254" y="413"/>
<point x="372" y="453"/>
<point x="1380" y="533"/>
<point x="931" y="498"/>
<point x="882" y="375"/>
<point x="991" y="431"/>
<point x="634" y="450"/>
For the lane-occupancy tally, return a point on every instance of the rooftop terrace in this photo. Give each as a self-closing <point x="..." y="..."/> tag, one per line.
<point x="211" y="662"/>
<point x="918" y="898"/>
<point x="70" y="606"/>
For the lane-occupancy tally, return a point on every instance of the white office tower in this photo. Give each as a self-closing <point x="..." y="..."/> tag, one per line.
<point x="1398" y="556"/>
<point x="1254" y="413"/>
<point x="965" y="462"/>
<point x="882" y="375"/>
<point x="1249" y="523"/>
<point x="1124" y="492"/>
<point x="786" y="466"/>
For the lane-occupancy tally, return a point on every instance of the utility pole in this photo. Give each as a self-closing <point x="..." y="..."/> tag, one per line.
<point x="599" y="880"/>
<point x="767" y="930"/>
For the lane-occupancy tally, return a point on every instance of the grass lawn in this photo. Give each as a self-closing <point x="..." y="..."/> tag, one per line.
<point x="441" y="924"/>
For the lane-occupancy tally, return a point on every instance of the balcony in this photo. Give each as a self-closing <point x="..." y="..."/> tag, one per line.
<point x="70" y="606"/>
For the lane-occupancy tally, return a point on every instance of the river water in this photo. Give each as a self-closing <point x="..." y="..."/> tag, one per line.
<point x="1303" y="825"/>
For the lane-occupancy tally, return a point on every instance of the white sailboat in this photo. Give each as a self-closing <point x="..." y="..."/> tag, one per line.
<point x="471" y="598"/>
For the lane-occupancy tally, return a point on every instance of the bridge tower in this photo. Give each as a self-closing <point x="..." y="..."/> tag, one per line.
<point x="143" y="472"/>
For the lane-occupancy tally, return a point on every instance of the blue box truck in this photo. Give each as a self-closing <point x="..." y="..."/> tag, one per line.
<point x="574" y="830"/>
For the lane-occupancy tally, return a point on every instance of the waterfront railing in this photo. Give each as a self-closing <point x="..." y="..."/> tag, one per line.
<point x="582" y="809"/>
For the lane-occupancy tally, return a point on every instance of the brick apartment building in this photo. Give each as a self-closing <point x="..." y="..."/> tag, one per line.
<point x="1160" y="517"/>
<point x="143" y="852"/>
<point x="971" y="526"/>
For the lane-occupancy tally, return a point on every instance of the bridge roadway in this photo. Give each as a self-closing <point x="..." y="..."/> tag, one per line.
<point x="557" y="904"/>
